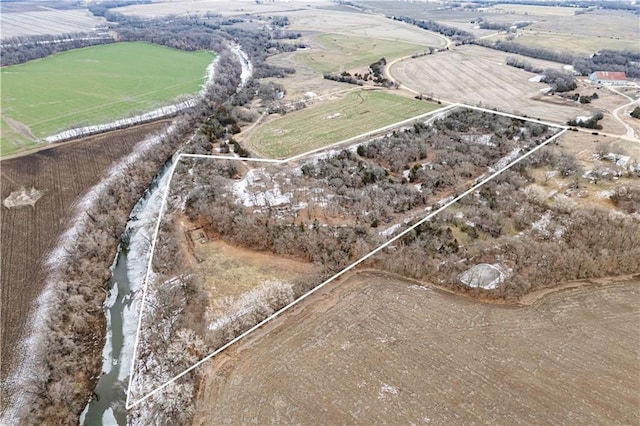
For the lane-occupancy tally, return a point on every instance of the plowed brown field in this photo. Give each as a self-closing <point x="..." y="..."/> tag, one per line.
<point x="479" y="76"/>
<point x="63" y="174"/>
<point x="376" y="349"/>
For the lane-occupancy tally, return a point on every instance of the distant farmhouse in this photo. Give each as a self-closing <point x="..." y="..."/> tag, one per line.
<point x="608" y="77"/>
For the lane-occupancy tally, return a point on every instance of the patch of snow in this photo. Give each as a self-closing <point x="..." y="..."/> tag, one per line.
<point x="605" y="194"/>
<point x="386" y="390"/>
<point x="418" y="287"/>
<point x="390" y="230"/>
<point x="258" y="188"/>
<point x="504" y="161"/>
<point x="444" y="201"/>
<point x="107" y="351"/>
<point x="618" y="159"/>
<point x="484" y="275"/>
<point x="247" y="66"/>
<point x="479" y="139"/>
<point x="542" y="224"/>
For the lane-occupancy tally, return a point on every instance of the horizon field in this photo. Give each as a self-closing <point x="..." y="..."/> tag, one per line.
<point x="93" y="85"/>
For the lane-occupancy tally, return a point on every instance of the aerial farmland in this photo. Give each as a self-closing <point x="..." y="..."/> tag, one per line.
<point x="312" y="212"/>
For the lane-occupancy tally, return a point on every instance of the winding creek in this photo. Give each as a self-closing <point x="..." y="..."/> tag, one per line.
<point x="122" y="307"/>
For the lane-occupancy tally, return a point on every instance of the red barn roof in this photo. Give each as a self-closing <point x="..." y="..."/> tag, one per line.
<point x="610" y="75"/>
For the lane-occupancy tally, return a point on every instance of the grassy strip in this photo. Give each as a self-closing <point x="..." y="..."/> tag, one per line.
<point x="358" y="112"/>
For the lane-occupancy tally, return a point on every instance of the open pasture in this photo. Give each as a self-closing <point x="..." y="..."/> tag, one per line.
<point x="98" y="84"/>
<point x="62" y="174"/>
<point x="337" y="53"/>
<point x="332" y="121"/>
<point x="479" y="76"/>
<point x="373" y="348"/>
<point x="230" y="271"/>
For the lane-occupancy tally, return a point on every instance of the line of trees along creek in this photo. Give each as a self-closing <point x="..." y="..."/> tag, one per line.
<point x="67" y="353"/>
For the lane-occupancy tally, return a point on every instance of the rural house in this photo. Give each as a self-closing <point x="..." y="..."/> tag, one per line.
<point x="608" y="77"/>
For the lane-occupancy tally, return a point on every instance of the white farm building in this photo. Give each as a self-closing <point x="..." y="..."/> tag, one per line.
<point x="608" y="77"/>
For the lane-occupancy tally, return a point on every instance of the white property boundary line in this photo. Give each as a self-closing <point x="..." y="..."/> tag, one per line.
<point x="276" y="314"/>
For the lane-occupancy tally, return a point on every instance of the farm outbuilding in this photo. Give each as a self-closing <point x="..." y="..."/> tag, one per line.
<point x="608" y="77"/>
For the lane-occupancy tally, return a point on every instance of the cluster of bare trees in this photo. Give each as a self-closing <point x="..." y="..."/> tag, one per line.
<point x="385" y="180"/>
<point x="454" y="33"/>
<point x="543" y="238"/>
<point x="17" y="50"/>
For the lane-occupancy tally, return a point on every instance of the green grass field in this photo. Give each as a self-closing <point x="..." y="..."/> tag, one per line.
<point x="94" y="85"/>
<point x="317" y="126"/>
<point x="340" y="52"/>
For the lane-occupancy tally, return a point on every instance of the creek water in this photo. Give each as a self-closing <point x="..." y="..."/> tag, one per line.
<point x="108" y="391"/>
<point x="122" y="308"/>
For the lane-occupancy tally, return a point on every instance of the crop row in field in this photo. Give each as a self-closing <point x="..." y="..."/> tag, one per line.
<point x="332" y="121"/>
<point x="97" y="84"/>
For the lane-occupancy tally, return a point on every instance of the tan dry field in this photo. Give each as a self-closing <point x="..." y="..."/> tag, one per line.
<point x="363" y="25"/>
<point x="584" y="147"/>
<point x="581" y="34"/>
<point x="478" y="76"/>
<point x="375" y="349"/>
<point x="231" y="271"/>
<point x="222" y="7"/>
<point x="47" y="21"/>
<point x="63" y="173"/>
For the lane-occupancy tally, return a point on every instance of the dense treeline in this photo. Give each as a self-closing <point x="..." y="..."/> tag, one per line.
<point x="452" y="32"/>
<point x="16" y="50"/>
<point x="523" y="65"/>
<point x="604" y="60"/>
<point x="559" y="81"/>
<point x="385" y="179"/>
<point x="579" y="5"/>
